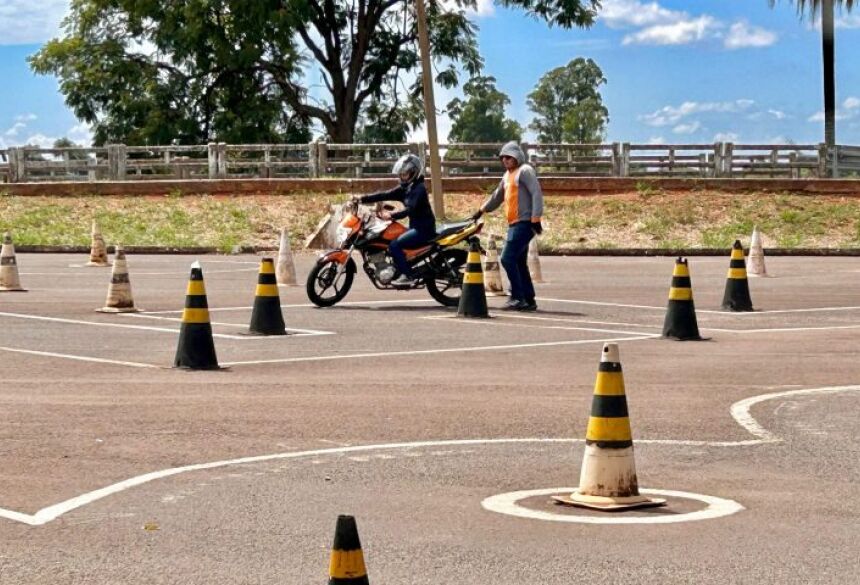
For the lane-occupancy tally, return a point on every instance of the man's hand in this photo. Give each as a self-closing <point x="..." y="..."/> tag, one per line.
<point x="386" y="215"/>
<point x="477" y="215"/>
<point x="537" y="227"/>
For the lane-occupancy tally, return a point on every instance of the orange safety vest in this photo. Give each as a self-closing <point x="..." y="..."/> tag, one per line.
<point x="512" y="195"/>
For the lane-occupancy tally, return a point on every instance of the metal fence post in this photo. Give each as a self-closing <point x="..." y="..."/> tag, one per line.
<point x="212" y="153"/>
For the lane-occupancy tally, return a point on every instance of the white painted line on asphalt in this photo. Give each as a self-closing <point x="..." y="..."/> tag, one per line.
<point x="565" y="320"/>
<point x="432" y="351"/>
<point x="454" y="319"/>
<point x="305" y="305"/>
<point x="508" y="504"/>
<point x="79" y="358"/>
<point x="297" y="332"/>
<point x="136" y="273"/>
<point x="739" y="410"/>
<point x="139" y="327"/>
<point x="600" y="303"/>
<point x="783" y="329"/>
<point x="724" y="313"/>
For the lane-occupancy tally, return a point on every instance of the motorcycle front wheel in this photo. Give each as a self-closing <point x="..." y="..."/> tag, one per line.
<point x="325" y="287"/>
<point x="446" y="285"/>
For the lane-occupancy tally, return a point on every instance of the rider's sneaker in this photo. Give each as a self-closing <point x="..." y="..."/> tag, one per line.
<point x="513" y="305"/>
<point x="402" y="280"/>
<point x="528" y="306"/>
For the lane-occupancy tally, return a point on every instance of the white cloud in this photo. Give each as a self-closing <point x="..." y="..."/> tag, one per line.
<point x="484" y="7"/>
<point x="30" y="21"/>
<point x="26" y="117"/>
<point x="80" y="134"/>
<point x="687" y="128"/>
<point x="851" y="103"/>
<point x="851" y="110"/>
<point x="40" y="140"/>
<point x="632" y="13"/>
<point x="742" y="34"/>
<point x="681" y="32"/>
<point x="777" y="114"/>
<point x="848" y="21"/>
<point x="13" y="131"/>
<point x="726" y="137"/>
<point x="656" y="140"/>
<point x="673" y="114"/>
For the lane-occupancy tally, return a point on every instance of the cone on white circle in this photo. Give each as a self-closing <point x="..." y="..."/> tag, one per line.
<point x="9" y="280"/>
<point x="534" y="261"/>
<point x="285" y="268"/>
<point x="98" y="250"/>
<point x="119" y="298"/>
<point x="755" y="262"/>
<point x="492" y="273"/>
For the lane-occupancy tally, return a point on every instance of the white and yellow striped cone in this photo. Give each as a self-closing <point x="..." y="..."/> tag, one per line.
<point x="492" y="274"/>
<point x="119" y="297"/>
<point x="9" y="280"/>
<point x="755" y="260"/>
<point x="285" y="269"/>
<point x="534" y="261"/>
<point x="98" y="250"/>
<point x="608" y="480"/>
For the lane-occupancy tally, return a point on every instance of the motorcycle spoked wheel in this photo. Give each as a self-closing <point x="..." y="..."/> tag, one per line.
<point x="446" y="285"/>
<point x="324" y="287"/>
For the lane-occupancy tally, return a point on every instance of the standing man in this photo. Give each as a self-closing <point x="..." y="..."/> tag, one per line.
<point x="520" y="190"/>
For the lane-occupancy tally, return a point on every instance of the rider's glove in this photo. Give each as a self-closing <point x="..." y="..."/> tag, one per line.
<point x="537" y="227"/>
<point x="477" y="215"/>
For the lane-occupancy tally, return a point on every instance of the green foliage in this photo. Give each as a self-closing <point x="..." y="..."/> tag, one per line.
<point x="154" y="72"/>
<point x="568" y="104"/>
<point x="481" y="116"/>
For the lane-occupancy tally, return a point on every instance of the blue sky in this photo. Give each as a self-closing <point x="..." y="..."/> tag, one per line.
<point x="677" y="71"/>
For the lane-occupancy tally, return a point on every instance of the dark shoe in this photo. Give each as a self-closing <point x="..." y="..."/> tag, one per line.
<point x="513" y="305"/>
<point x="528" y="306"/>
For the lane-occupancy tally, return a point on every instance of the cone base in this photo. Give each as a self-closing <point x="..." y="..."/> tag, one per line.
<point x="118" y="310"/>
<point x="255" y="333"/>
<point x="7" y="289"/>
<point x="608" y="503"/>
<point x="684" y="338"/>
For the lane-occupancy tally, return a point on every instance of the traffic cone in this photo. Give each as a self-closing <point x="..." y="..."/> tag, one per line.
<point x="119" y="299"/>
<point x="267" y="319"/>
<point x="286" y="267"/>
<point x="196" y="350"/>
<point x="473" y="299"/>
<point x="534" y="261"/>
<point x="98" y="250"/>
<point x="757" y="267"/>
<point x="492" y="273"/>
<point x="9" y="280"/>
<point x="346" y="566"/>
<point x="680" y="320"/>
<point x="737" y="295"/>
<point x="608" y="477"/>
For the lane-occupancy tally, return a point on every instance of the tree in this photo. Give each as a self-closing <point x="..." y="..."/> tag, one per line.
<point x="828" y="51"/>
<point x="244" y="69"/>
<point x="568" y="104"/>
<point x="481" y="116"/>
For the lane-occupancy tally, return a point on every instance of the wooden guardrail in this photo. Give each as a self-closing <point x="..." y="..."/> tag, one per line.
<point x="117" y="162"/>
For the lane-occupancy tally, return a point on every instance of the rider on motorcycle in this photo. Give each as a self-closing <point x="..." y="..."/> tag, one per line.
<point x="422" y="222"/>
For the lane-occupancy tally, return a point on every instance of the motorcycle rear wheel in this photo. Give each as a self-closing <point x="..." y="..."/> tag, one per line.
<point x="323" y="277"/>
<point x="447" y="284"/>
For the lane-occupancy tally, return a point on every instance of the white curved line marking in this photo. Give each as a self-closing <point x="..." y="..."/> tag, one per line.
<point x="508" y="504"/>
<point x="739" y="410"/>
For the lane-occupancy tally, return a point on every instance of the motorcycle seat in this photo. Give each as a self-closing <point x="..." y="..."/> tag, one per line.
<point x="446" y="229"/>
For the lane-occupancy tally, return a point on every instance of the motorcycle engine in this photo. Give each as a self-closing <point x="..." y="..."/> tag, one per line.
<point x="384" y="270"/>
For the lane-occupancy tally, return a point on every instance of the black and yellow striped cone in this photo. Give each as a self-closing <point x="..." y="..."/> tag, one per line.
<point x="267" y="319"/>
<point x="473" y="299"/>
<point x="196" y="350"/>
<point x="608" y="477"/>
<point x="737" y="295"/>
<point x="347" y="561"/>
<point x="680" y="320"/>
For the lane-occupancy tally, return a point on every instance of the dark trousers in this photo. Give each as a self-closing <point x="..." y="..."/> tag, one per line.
<point x="515" y="260"/>
<point x="409" y="239"/>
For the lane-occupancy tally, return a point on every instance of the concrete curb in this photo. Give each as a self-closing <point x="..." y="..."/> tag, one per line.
<point x="35" y="249"/>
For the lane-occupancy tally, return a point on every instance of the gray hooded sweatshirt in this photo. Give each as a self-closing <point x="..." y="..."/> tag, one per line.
<point x="519" y="189"/>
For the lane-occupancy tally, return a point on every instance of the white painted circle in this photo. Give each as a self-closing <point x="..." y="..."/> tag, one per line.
<point x="508" y="504"/>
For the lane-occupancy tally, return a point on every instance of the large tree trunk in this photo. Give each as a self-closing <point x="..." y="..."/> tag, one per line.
<point x="828" y="56"/>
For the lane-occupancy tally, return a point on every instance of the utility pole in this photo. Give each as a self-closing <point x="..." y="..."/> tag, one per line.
<point x="828" y="54"/>
<point x="430" y="110"/>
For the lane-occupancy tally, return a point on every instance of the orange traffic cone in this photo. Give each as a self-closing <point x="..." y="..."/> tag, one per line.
<point x="98" y="250"/>
<point x="119" y="298"/>
<point x="9" y="280"/>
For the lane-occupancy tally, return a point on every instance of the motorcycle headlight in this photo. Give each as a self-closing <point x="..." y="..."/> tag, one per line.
<point x="341" y="234"/>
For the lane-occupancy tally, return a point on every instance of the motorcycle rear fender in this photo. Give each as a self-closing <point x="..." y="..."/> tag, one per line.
<point x="339" y="256"/>
<point x="453" y="239"/>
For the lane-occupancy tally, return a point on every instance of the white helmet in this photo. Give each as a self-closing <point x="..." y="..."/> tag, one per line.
<point x="408" y="163"/>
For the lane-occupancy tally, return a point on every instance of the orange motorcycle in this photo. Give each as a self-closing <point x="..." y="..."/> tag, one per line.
<point x="438" y="266"/>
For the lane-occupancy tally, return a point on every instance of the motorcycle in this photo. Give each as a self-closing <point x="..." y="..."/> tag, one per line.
<point x="438" y="266"/>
